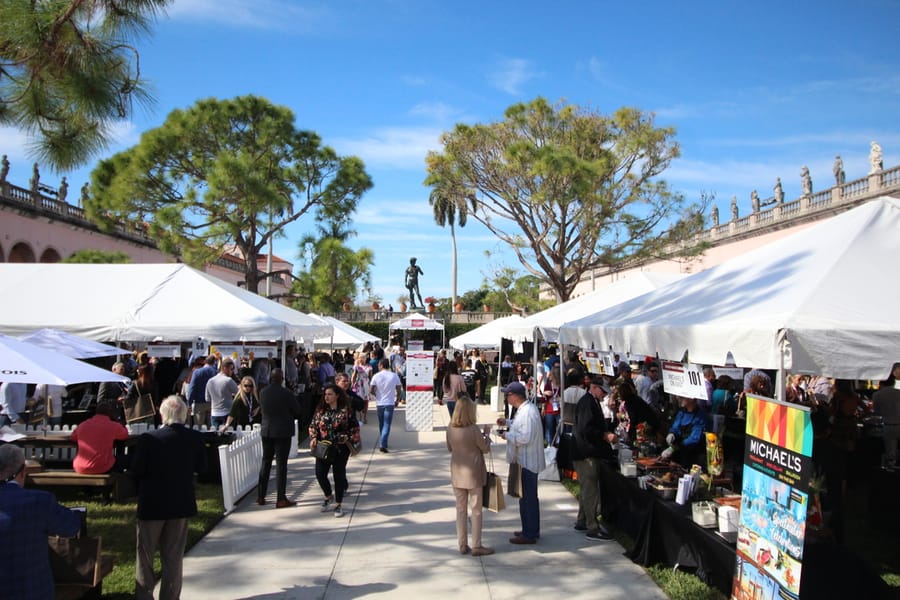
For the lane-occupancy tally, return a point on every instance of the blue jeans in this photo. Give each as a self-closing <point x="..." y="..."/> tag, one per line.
<point x="385" y="417"/>
<point x="451" y="404"/>
<point x="551" y="422"/>
<point x="529" y="507"/>
<point x="216" y="422"/>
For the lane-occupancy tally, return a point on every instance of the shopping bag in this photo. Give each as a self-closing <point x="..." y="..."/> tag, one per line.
<point x="514" y="480"/>
<point x="139" y="407"/>
<point x="492" y="495"/>
<point x="75" y="560"/>
<point x="551" y="472"/>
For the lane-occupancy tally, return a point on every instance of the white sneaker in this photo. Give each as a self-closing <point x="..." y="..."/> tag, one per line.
<point x="338" y="512"/>
<point x="325" y="505"/>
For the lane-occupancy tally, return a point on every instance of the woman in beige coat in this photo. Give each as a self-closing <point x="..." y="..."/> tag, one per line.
<point x="467" y="445"/>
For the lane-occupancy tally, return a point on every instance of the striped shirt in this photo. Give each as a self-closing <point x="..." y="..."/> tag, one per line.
<point x="525" y="439"/>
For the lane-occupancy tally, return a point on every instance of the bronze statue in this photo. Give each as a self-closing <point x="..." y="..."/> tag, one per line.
<point x="412" y="283"/>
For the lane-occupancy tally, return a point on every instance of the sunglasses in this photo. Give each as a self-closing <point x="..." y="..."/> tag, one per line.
<point x="248" y="386"/>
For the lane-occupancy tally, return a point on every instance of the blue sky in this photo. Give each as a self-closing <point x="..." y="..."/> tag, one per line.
<point x="754" y="90"/>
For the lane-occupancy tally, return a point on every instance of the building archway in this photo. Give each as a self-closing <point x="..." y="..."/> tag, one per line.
<point x="50" y="255"/>
<point x="21" y="253"/>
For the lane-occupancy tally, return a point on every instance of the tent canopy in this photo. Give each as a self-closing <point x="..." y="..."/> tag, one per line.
<point x="488" y="335"/>
<point x="21" y="362"/>
<point x="142" y="302"/>
<point x="547" y="322"/>
<point x="345" y="336"/>
<point x="416" y="321"/>
<point x="827" y="292"/>
<point x="73" y="346"/>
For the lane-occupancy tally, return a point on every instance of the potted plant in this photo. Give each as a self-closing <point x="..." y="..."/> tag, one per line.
<point x="429" y="302"/>
<point x="403" y="299"/>
<point x="458" y="307"/>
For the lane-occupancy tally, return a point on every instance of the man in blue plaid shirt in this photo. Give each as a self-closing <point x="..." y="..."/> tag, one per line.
<point x="27" y="517"/>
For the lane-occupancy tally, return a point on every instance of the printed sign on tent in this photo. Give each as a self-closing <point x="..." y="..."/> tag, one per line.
<point x="775" y="499"/>
<point x="683" y="379"/>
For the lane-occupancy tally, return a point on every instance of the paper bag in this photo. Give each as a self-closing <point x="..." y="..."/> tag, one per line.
<point x="514" y="480"/>
<point x="492" y="495"/>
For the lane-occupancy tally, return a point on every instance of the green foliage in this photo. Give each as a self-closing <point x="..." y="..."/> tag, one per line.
<point x="116" y="524"/>
<point x="679" y="585"/>
<point x="333" y="271"/>
<point x="513" y="291"/>
<point x="225" y="175"/>
<point x="568" y="189"/>
<point x="377" y="328"/>
<point x="94" y="256"/>
<point x="473" y="300"/>
<point x="68" y="71"/>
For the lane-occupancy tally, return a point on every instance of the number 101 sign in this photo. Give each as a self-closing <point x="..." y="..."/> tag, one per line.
<point x="684" y="379"/>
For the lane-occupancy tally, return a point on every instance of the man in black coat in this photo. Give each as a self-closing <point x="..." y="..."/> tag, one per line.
<point x="164" y="464"/>
<point x="592" y="445"/>
<point x="279" y="411"/>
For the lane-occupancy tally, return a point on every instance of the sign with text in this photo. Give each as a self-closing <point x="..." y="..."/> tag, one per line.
<point x="684" y="379"/>
<point x="420" y="371"/>
<point x="736" y="373"/>
<point x="164" y="350"/>
<point x="593" y="361"/>
<point x="775" y="499"/>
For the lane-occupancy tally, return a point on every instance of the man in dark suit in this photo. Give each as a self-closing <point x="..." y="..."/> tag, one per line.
<point x="164" y="464"/>
<point x="27" y="517"/>
<point x="279" y="411"/>
<point x="593" y="444"/>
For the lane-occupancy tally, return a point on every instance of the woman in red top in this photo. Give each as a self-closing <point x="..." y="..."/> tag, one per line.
<point x="96" y="438"/>
<point x="550" y="405"/>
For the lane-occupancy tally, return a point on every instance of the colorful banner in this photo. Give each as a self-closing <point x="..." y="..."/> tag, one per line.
<point x="774" y="500"/>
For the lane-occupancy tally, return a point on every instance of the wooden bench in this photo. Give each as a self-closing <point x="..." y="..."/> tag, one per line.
<point x="109" y="482"/>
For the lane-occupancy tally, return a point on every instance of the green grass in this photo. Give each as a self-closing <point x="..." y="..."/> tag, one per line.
<point x="116" y="523"/>
<point x="677" y="585"/>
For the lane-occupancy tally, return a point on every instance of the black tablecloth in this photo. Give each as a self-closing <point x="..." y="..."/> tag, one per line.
<point x="664" y="533"/>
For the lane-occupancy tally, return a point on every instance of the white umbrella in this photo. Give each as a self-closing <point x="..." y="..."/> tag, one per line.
<point x="21" y="362"/>
<point x="73" y="346"/>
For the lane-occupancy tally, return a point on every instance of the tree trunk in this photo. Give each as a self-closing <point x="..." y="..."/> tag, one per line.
<point x="453" y="265"/>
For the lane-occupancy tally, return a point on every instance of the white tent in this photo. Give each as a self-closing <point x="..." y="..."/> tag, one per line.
<point x="416" y="321"/>
<point x="73" y="346"/>
<point x="823" y="301"/>
<point x="21" y="362"/>
<point x="488" y="335"/>
<point x="345" y="336"/>
<point x="546" y="323"/>
<point x="142" y="302"/>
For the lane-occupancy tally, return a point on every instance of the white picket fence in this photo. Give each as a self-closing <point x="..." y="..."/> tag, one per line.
<point x="239" y="461"/>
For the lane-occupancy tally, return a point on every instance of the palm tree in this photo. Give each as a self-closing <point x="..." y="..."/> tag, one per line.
<point x="450" y="208"/>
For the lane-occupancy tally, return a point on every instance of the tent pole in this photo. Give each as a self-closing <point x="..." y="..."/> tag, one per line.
<point x="779" y="379"/>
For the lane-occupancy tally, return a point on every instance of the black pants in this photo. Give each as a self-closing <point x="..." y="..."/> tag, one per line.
<point x="340" y="473"/>
<point x="277" y="448"/>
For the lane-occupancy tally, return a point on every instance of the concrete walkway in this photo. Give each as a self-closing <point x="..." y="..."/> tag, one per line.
<point x="397" y="538"/>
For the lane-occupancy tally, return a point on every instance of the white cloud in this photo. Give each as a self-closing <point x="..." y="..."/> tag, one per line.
<point x="511" y="74"/>
<point x="256" y="14"/>
<point x="437" y="111"/>
<point x="397" y="147"/>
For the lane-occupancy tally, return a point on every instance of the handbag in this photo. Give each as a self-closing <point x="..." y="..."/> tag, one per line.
<point x="139" y="408"/>
<point x="354" y="448"/>
<point x="74" y="560"/>
<point x="324" y="450"/>
<point x="514" y="480"/>
<point x="492" y="494"/>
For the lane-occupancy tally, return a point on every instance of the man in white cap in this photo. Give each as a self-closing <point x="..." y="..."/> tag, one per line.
<point x="525" y="445"/>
